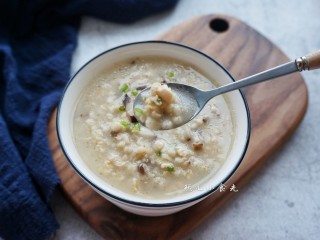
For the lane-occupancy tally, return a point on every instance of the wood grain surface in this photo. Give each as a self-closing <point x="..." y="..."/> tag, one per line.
<point x="277" y="107"/>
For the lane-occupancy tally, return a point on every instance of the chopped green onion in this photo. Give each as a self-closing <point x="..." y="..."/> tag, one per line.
<point x="138" y="111"/>
<point x="158" y="153"/>
<point x="122" y="108"/>
<point x="136" y="127"/>
<point x="170" y="168"/>
<point x="159" y="101"/>
<point x="170" y="74"/>
<point x="134" y="92"/>
<point x="125" y="123"/>
<point x="124" y="88"/>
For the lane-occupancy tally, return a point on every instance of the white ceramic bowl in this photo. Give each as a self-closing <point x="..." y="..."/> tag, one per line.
<point x="132" y="203"/>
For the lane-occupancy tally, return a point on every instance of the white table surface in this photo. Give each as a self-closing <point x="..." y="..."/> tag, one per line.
<point x="282" y="201"/>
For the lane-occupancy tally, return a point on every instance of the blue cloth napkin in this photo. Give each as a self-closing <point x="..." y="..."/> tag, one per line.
<point x="37" y="39"/>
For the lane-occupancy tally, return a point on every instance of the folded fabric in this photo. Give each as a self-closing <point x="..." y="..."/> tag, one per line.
<point x="37" y="39"/>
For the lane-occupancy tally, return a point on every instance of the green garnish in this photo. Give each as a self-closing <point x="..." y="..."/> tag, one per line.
<point x="138" y="111"/>
<point x="158" y="153"/>
<point x="122" y="108"/>
<point x="170" y="74"/>
<point x="134" y="92"/>
<point x="136" y="127"/>
<point x="125" y="123"/>
<point x="170" y="168"/>
<point x="124" y="88"/>
<point x="159" y="101"/>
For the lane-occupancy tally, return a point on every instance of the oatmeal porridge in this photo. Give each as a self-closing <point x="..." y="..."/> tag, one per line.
<point x="136" y="159"/>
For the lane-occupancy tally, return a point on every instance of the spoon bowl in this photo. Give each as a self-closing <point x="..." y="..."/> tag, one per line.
<point x="188" y="95"/>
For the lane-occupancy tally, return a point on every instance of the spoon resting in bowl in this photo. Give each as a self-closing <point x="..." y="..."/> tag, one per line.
<point x="193" y="100"/>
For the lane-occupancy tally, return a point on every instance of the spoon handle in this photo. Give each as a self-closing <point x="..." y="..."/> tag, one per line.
<point x="308" y="62"/>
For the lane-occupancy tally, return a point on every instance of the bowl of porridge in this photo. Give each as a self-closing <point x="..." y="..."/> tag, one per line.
<point x="144" y="170"/>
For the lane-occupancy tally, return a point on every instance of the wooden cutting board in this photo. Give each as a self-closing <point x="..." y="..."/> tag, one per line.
<point x="277" y="107"/>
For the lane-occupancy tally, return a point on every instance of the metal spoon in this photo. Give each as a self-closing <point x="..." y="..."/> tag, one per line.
<point x="197" y="99"/>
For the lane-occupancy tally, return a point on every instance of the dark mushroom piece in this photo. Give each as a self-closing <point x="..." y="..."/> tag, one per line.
<point x="142" y="168"/>
<point x="198" y="146"/>
<point x="129" y="108"/>
<point x="141" y="87"/>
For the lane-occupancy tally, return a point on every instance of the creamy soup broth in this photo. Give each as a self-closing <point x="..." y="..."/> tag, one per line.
<point x="140" y="161"/>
